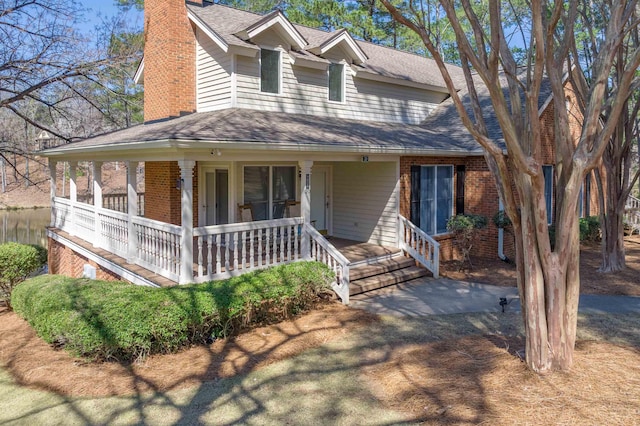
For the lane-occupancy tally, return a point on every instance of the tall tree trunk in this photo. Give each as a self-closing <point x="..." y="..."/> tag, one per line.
<point x="612" y="212"/>
<point x="548" y="281"/>
<point x="612" y="247"/>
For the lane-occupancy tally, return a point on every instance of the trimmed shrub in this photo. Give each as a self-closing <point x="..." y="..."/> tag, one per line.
<point x="464" y="228"/>
<point x="115" y="320"/>
<point x="17" y="262"/>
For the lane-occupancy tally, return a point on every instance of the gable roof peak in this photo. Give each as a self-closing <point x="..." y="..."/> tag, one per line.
<point x="340" y="37"/>
<point x="278" y="20"/>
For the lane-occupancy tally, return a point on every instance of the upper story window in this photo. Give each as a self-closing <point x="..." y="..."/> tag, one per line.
<point x="269" y="71"/>
<point x="336" y="82"/>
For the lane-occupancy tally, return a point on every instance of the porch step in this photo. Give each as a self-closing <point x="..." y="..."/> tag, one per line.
<point x="380" y="267"/>
<point x="390" y="272"/>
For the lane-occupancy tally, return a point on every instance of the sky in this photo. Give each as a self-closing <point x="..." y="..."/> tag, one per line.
<point x="101" y="9"/>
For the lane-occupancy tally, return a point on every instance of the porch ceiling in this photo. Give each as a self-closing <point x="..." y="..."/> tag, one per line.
<point x="244" y="129"/>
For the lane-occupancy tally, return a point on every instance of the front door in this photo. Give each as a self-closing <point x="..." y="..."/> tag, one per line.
<point x="320" y="198"/>
<point x="217" y="197"/>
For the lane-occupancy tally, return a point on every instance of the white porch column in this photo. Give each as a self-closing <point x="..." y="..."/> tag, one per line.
<point x="73" y="195"/>
<point x="97" y="202"/>
<point x="53" y="179"/>
<point x="305" y="204"/>
<point x="186" y="237"/>
<point x="132" y="210"/>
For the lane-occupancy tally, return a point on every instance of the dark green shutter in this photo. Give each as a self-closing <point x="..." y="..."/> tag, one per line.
<point x="415" y="196"/>
<point x="460" y="172"/>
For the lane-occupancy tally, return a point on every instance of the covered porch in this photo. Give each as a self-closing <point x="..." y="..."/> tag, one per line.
<point x="228" y="192"/>
<point x="199" y="248"/>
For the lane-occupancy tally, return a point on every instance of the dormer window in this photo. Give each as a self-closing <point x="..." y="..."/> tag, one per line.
<point x="269" y="71"/>
<point x="336" y="82"/>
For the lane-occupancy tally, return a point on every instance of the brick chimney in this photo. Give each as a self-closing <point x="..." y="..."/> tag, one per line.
<point x="169" y="60"/>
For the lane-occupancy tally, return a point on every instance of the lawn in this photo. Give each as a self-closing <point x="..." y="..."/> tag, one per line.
<point x="335" y="365"/>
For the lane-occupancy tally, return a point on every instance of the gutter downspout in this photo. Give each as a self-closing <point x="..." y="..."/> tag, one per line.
<point x="501" y="239"/>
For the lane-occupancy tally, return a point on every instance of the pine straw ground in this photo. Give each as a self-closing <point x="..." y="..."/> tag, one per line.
<point x="456" y="369"/>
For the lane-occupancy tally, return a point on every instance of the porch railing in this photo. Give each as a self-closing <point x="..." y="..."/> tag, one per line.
<point x="323" y="251"/>
<point x="223" y="251"/>
<point x="117" y="202"/>
<point x="419" y="245"/>
<point x="156" y="244"/>
<point x="632" y="213"/>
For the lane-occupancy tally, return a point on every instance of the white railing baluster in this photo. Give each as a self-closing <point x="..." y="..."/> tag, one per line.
<point x="200" y="260"/>
<point x="419" y="245"/>
<point x="252" y="241"/>
<point x="243" y="243"/>
<point x="323" y="251"/>
<point x="218" y="253"/>
<point x="235" y="251"/>
<point x="260" y="240"/>
<point x="210" y="254"/>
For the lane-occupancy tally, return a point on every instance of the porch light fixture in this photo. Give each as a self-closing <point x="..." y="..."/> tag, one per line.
<point x="179" y="182"/>
<point x="216" y="152"/>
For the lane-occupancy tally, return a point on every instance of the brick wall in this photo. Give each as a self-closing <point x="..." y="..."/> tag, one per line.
<point x="481" y="197"/>
<point x="64" y="261"/>
<point x="162" y="198"/>
<point x="169" y="60"/>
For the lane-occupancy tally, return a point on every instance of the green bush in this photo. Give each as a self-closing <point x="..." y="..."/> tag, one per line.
<point x="501" y="219"/>
<point x="590" y="228"/>
<point x="17" y="262"/>
<point x="115" y="320"/>
<point x="466" y="222"/>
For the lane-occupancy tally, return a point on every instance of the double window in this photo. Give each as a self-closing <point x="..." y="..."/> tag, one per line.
<point x="267" y="188"/>
<point x="431" y="197"/>
<point x="336" y="82"/>
<point x="269" y="71"/>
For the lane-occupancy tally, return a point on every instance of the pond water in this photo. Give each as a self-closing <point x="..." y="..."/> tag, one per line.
<point x="24" y="226"/>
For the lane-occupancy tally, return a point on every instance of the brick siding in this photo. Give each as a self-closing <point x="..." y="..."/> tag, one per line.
<point x="169" y="60"/>
<point x="64" y="261"/>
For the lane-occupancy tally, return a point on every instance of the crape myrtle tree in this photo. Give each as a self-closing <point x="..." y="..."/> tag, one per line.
<point x="548" y="278"/>
<point x="619" y="172"/>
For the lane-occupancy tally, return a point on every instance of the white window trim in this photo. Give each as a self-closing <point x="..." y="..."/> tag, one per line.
<point x="203" y="169"/>
<point x="344" y="83"/>
<point x="453" y="198"/>
<point x="280" y="64"/>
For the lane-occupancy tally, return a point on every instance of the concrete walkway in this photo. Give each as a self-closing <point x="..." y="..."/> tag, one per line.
<point x="429" y="296"/>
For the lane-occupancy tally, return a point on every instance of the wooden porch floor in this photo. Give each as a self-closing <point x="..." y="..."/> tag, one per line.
<point x="357" y="251"/>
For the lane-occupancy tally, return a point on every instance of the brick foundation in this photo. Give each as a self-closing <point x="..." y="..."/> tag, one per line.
<point x="65" y="261"/>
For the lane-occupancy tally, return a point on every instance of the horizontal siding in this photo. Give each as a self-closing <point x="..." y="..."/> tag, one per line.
<point x="213" y="76"/>
<point x="304" y="91"/>
<point x="365" y="202"/>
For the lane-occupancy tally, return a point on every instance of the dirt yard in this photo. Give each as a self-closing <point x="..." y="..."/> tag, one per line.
<point x="499" y="273"/>
<point x="439" y="377"/>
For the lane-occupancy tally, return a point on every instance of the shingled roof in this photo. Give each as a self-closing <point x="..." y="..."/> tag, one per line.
<point x="276" y="131"/>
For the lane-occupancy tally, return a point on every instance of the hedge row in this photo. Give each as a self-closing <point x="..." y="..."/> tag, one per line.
<point x="17" y="262"/>
<point x="114" y="320"/>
